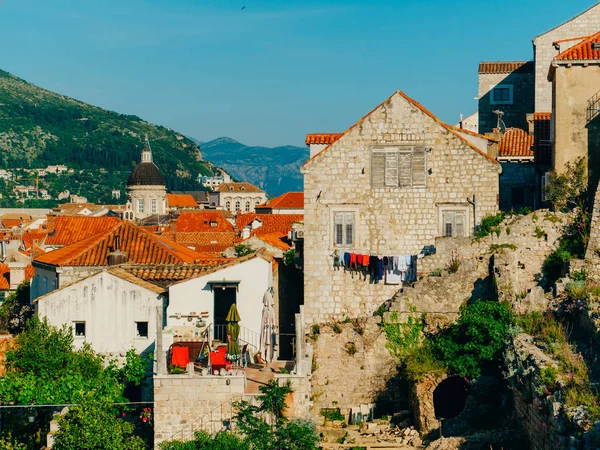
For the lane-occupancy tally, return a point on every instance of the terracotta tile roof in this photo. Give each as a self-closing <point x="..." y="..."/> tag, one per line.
<point x="29" y="272"/>
<point x="582" y="51"/>
<point x="472" y="133"/>
<point x="5" y="275"/>
<point x="277" y="240"/>
<point x="289" y="200"/>
<point x="12" y="223"/>
<point x="140" y="247"/>
<point x="181" y="201"/>
<point x="35" y="235"/>
<point x="238" y="187"/>
<point x="205" y="238"/>
<point x="490" y="67"/>
<point x="203" y="221"/>
<point x="542" y="116"/>
<point x="271" y="223"/>
<point x="417" y="105"/>
<point x="66" y="230"/>
<point x="173" y="272"/>
<point x="515" y="143"/>
<point x="322" y="138"/>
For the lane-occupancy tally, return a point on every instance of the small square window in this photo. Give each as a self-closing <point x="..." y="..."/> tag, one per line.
<point x="502" y="95"/>
<point x="141" y="329"/>
<point x="79" y="329"/>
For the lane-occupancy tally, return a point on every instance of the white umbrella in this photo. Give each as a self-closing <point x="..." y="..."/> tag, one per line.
<point x="268" y="332"/>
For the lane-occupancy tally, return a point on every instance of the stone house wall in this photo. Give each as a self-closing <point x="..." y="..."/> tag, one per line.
<point x="183" y="404"/>
<point x="584" y="24"/>
<point x="390" y="220"/>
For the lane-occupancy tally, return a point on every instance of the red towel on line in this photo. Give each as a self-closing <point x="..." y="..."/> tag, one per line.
<point x="352" y="259"/>
<point x="359" y="259"/>
<point x="180" y="357"/>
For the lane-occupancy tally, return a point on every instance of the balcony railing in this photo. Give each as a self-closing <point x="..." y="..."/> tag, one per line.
<point x="593" y="107"/>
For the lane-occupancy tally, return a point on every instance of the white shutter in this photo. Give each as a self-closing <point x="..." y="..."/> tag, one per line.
<point x="419" y="168"/>
<point x="459" y="224"/>
<point x="404" y="169"/>
<point x="378" y="174"/>
<point x="349" y="221"/>
<point x="391" y="169"/>
<point x="338" y="229"/>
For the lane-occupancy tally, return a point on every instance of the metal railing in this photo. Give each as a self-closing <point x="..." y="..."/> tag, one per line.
<point x="246" y="336"/>
<point x="593" y="107"/>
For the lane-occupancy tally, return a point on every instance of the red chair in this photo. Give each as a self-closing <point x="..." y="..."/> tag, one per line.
<point x="218" y="359"/>
<point x="180" y="357"/>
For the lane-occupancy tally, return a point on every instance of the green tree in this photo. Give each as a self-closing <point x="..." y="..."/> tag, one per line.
<point x="243" y="250"/>
<point x="567" y="190"/>
<point x="16" y="310"/>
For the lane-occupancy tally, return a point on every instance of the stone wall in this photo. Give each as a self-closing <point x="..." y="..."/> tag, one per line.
<point x="343" y="379"/>
<point x="187" y="403"/>
<point x="421" y="404"/>
<point x="520" y="175"/>
<point x="391" y="220"/>
<point x="585" y="24"/>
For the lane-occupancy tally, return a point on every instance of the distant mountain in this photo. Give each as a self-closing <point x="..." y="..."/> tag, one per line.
<point x="40" y="128"/>
<point x="276" y="170"/>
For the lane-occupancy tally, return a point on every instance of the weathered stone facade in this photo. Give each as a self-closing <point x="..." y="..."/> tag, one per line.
<point x="585" y="24"/>
<point x="387" y="220"/>
<point x="521" y="84"/>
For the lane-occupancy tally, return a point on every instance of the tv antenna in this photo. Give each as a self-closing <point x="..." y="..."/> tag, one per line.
<point x="501" y="126"/>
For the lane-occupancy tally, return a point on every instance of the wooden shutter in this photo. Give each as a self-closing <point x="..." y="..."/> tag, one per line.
<point x="349" y="222"/>
<point x="391" y="168"/>
<point x="447" y="224"/>
<point x="419" y="168"/>
<point x="404" y="169"/>
<point x="338" y="229"/>
<point x="459" y="224"/>
<point x="378" y="173"/>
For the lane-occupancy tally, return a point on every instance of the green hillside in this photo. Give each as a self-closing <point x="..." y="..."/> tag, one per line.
<point x="40" y="128"/>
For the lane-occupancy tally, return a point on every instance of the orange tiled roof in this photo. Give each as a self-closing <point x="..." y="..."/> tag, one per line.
<point x="238" y="187"/>
<point x="139" y="246"/>
<point x="542" y="116"/>
<point x="289" y="200"/>
<point x="322" y="138"/>
<point x="582" y="51"/>
<point x="181" y="201"/>
<point x="417" y="105"/>
<point x="12" y="223"/>
<point x="271" y="223"/>
<point x="204" y="238"/>
<point x="276" y="240"/>
<point x="515" y="143"/>
<point x="489" y="67"/>
<point x="203" y="221"/>
<point x="34" y="235"/>
<point x="67" y="230"/>
<point x="5" y="275"/>
<point x="170" y="273"/>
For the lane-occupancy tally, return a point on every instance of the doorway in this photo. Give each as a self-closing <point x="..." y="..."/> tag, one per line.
<point x="224" y="298"/>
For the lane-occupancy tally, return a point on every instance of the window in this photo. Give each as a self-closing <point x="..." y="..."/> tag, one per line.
<point x="502" y="95"/>
<point x="141" y="329"/>
<point x="247" y="208"/>
<point x="228" y="205"/>
<point x="141" y="206"/>
<point x="453" y="223"/>
<point x="403" y="167"/>
<point x="154" y="206"/>
<point x="256" y="203"/>
<point x="343" y="229"/>
<point x="79" y="329"/>
<point x="545" y="180"/>
<point x="238" y="206"/>
<point x="517" y="196"/>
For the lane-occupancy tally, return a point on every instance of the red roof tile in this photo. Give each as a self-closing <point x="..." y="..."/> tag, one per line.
<point x="582" y="51"/>
<point x="181" y="201"/>
<point x="542" y="116"/>
<point x="322" y="138"/>
<point x="34" y="236"/>
<point x="237" y="187"/>
<point x="515" y="143"/>
<point x="139" y="246"/>
<point x="4" y="277"/>
<point x="490" y="67"/>
<point x="203" y="238"/>
<point x="203" y="221"/>
<point x="289" y="200"/>
<point x="271" y="223"/>
<point x="65" y="230"/>
<point x="277" y="240"/>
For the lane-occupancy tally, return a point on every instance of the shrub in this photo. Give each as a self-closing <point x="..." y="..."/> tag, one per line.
<point x="564" y="191"/>
<point x="489" y="224"/>
<point x="242" y="250"/>
<point x="454" y="263"/>
<point x="435" y="273"/>
<point x="404" y="337"/>
<point x="543" y="327"/>
<point x="332" y="414"/>
<point x="499" y="247"/>
<point x="289" y="257"/>
<point x="422" y="361"/>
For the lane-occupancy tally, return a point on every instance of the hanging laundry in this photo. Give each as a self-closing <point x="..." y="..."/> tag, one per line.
<point x="346" y="259"/>
<point x="353" y="260"/>
<point x="392" y="276"/>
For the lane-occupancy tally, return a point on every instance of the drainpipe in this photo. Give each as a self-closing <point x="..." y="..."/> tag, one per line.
<point x="474" y="203"/>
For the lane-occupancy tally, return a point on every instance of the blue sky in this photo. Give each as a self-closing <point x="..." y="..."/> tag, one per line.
<point x="270" y="73"/>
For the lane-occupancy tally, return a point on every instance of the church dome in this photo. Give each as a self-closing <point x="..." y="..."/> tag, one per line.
<point x="146" y="173"/>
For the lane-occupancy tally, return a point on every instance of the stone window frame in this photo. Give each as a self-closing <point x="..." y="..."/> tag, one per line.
<point x="333" y="209"/>
<point x="394" y="177"/>
<point x="247" y="206"/>
<point x="154" y="205"/>
<point x="456" y="207"/>
<point x="140" y="205"/>
<point x="509" y="88"/>
<point x="228" y="205"/>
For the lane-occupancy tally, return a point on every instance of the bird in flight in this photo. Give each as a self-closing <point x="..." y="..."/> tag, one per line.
<point x="243" y="8"/>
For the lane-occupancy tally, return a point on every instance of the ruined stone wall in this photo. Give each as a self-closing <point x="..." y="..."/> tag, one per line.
<point x="344" y="380"/>
<point x="391" y="220"/>
<point x="187" y="403"/>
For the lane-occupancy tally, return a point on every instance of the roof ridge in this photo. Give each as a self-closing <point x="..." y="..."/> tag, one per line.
<point x="562" y="55"/>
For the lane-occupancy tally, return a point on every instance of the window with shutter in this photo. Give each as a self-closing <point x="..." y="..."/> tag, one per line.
<point x="419" y="168"/>
<point x="403" y="167"/>
<point x="343" y="229"/>
<point x="453" y="223"/>
<point x="391" y="169"/>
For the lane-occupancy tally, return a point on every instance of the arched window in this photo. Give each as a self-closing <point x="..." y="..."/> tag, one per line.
<point x="237" y="205"/>
<point x="256" y="203"/>
<point x="228" y="205"/>
<point x="247" y="207"/>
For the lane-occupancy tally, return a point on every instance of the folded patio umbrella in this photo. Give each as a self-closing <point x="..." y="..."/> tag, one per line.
<point x="268" y="332"/>
<point x="233" y="333"/>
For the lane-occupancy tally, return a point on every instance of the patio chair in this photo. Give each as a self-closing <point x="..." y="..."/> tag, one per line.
<point x="218" y="360"/>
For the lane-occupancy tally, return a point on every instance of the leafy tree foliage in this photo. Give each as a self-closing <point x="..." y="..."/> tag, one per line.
<point x="566" y="190"/>
<point x="16" y="310"/>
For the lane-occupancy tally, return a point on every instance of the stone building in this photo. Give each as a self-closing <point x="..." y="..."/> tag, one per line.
<point x="506" y="87"/>
<point x="575" y="77"/>
<point x="237" y="197"/>
<point x="146" y="188"/>
<point x="390" y="185"/>
<point x="518" y="180"/>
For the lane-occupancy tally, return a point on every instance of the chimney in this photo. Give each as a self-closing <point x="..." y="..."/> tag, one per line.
<point x="116" y="256"/>
<point x="246" y="232"/>
<point x="17" y="274"/>
<point x="173" y="225"/>
<point x="50" y="222"/>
